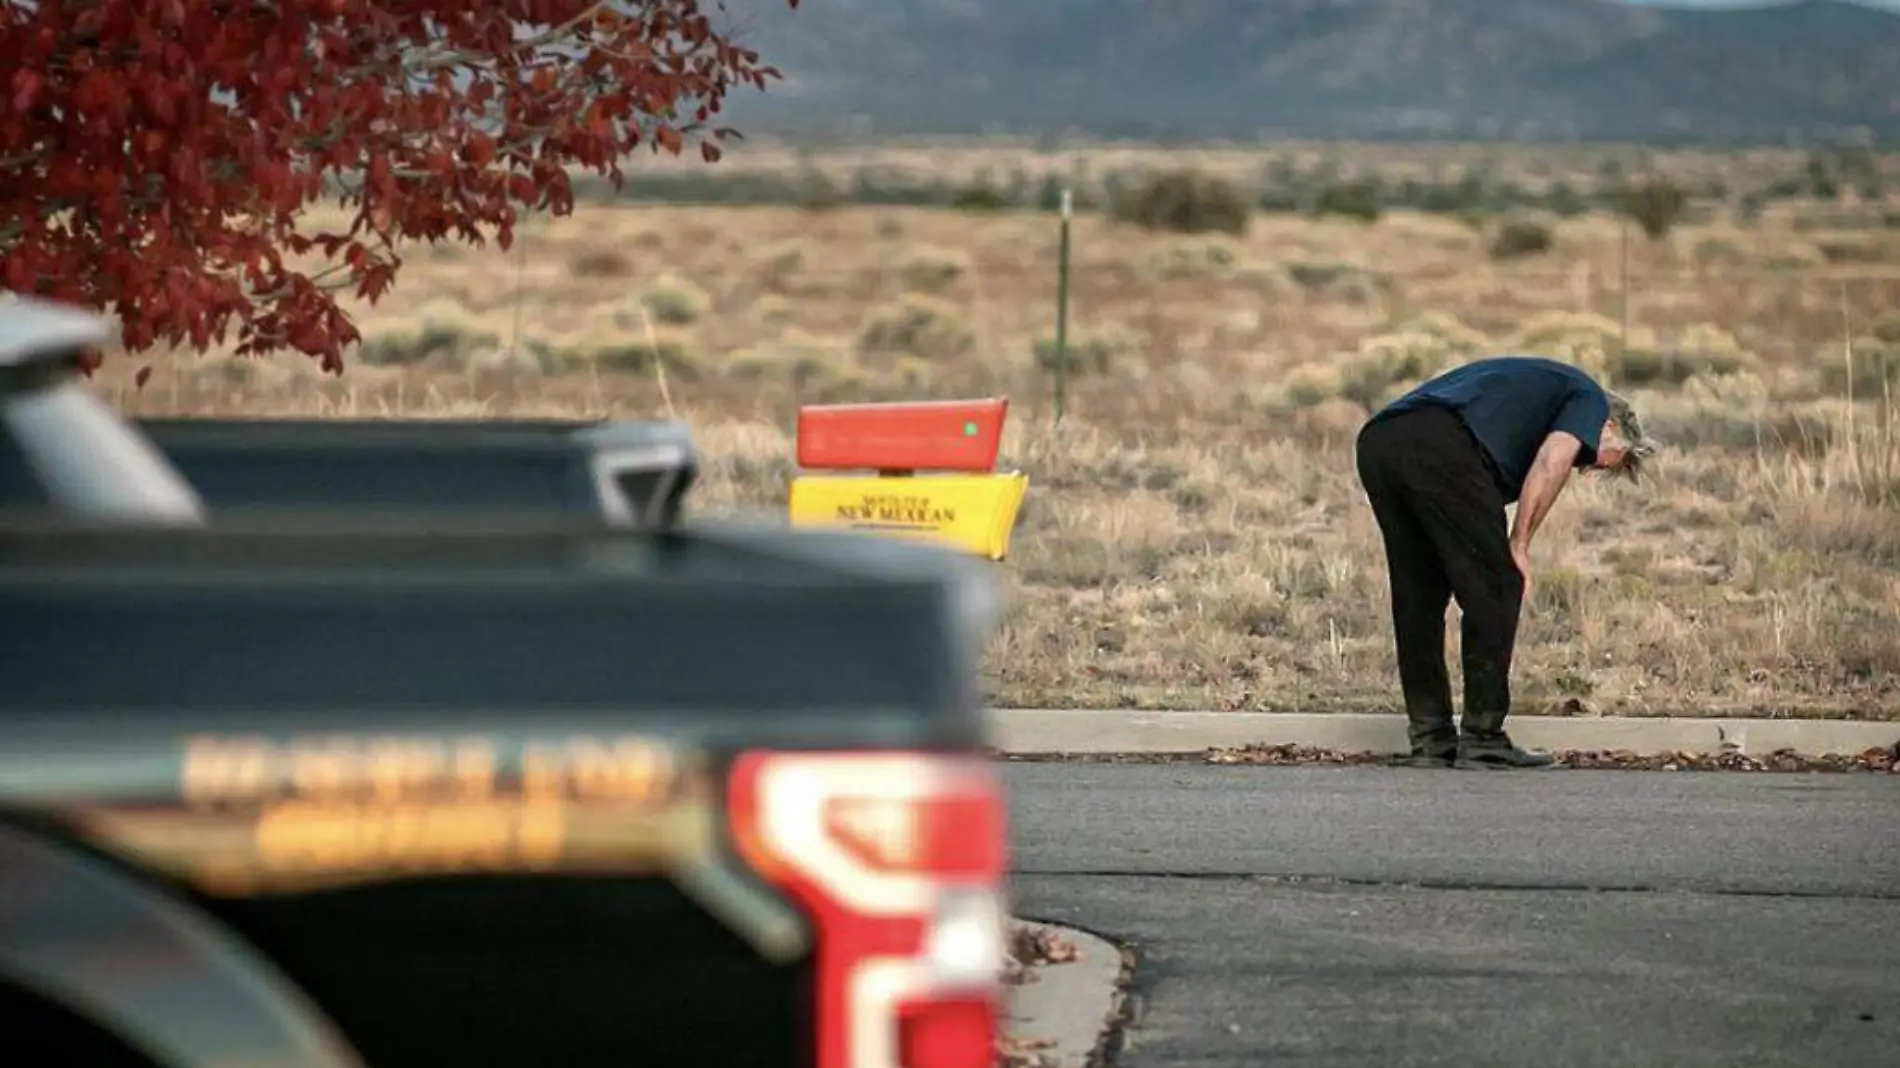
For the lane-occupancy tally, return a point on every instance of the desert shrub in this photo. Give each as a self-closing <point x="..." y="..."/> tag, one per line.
<point x="1741" y="411"/>
<point x="631" y="354"/>
<point x="931" y="270"/>
<point x="674" y="301"/>
<point x="1726" y="409"/>
<point x="784" y="258"/>
<point x="231" y="371"/>
<point x="1647" y="367"/>
<point x="1191" y="258"/>
<point x="442" y="328"/>
<point x="1476" y="220"/>
<point x="1702" y="350"/>
<point x="1852" y="252"/>
<point x="532" y="356"/>
<point x="1546" y="329"/>
<point x="1718" y="252"/>
<point x="1362" y="199"/>
<point x="1564" y="200"/>
<point x="1331" y="423"/>
<point x="1821" y="181"/>
<point x="1559" y="592"/>
<point x="1579" y="338"/>
<point x="1344" y="281"/>
<point x="1312" y="384"/>
<point x="1795" y="256"/>
<point x="1656" y="205"/>
<point x="601" y="263"/>
<point x="1887" y="329"/>
<point x="909" y="376"/>
<point x="799" y="360"/>
<point x="888" y="227"/>
<point x="1184" y="202"/>
<point x="1521" y="236"/>
<point x="1339" y="281"/>
<point x="1276" y="200"/>
<point x="979" y="196"/>
<point x="1250" y="605"/>
<point x="1387" y="364"/>
<point x="917" y="325"/>
<point x="391" y="346"/>
<point x="772" y="310"/>
<point x="1448" y="328"/>
<point x="813" y="190"/>
<point x="1086" y="352"/>
<point x="1318" y="274"/>
<point x="1448" y="198"/>
<point x="1874" y="373"/>
<point x="1740" y="391"/>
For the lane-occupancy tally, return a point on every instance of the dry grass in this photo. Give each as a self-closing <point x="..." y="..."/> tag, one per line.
<point x="1194" y="536"/>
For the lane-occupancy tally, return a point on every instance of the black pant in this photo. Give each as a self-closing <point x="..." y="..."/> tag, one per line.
<point x="1441" y="515"/>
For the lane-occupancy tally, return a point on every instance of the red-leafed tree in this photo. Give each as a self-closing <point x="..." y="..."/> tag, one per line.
<point x="156" y="155"/>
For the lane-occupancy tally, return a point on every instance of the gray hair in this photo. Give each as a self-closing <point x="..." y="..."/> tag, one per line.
<point x="1640" y="446"/>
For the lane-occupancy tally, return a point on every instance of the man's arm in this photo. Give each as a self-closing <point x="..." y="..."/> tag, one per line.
<point x="1549" y="471"/>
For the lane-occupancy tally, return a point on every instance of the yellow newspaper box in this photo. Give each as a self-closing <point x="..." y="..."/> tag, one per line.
<point x="976" y="513"/>
<point x="962" y="503"/>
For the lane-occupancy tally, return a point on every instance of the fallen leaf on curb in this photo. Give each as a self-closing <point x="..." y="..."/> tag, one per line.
<point x="1293" y="754"/>
<point x="1021" y="1053"/>
<point x="1784" y="760"/>
<point x="1781" y="760"/>
<point x="1039" y="945"/>
<point x="1570" y="707"/>
<point x="1031" y="947"/>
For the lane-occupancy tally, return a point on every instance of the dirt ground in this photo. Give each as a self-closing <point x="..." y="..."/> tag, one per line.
<point x="1194" y="536"/>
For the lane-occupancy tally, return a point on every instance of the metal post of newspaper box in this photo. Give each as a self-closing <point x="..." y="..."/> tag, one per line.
<point x="923" y="470"/>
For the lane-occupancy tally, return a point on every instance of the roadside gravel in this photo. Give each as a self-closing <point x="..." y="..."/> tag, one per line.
<point x="1875" y="760"/>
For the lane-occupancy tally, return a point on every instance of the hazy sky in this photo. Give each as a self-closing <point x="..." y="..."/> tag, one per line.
<point x="1747" y="3"/>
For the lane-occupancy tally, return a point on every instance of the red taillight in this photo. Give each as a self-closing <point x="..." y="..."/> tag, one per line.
<point x="898" y="858"/>
<point x="950" y="837"/>
<point x="947" y="1034"/>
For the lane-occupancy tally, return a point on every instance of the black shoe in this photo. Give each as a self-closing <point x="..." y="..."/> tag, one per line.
<point x="1433" y="744"/>
<point x="1495" y="752"/>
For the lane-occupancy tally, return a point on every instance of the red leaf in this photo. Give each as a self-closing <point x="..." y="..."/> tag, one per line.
<point x="144" y="375"/>
<point x="26" y="86"/>
<point x="188" y="139"/>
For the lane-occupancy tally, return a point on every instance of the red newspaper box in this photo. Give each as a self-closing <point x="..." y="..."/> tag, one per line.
<point x="921" y="436"/>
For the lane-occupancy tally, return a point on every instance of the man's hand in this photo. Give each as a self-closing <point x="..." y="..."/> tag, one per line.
<point x="1521" y="556"/>
<point x="1549" y="471"/>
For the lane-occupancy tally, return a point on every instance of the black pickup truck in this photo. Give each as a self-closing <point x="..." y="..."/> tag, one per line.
<point x="627" y="472"/>
<point x="407" y="788"/>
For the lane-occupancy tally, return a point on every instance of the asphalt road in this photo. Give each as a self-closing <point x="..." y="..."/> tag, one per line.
<point x="1383" y="917"/>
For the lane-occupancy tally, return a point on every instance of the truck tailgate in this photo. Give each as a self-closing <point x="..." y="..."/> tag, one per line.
<point x="467" y="789"/>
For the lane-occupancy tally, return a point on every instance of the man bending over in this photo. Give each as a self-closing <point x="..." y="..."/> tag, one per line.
<point x="1438" y="466"/>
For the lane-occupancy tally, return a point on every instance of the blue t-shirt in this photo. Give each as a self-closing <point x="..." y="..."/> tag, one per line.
<point x="1511" y="404"/>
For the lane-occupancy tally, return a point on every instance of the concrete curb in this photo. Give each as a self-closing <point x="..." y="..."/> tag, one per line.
<point x="1067" y="1009"/>
<point x="1033" y="731"/>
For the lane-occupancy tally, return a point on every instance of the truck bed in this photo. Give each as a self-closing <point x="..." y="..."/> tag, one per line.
<point x="124" y="649"/>
<point x="413" y="465"/>
<point x="348" y="623"/>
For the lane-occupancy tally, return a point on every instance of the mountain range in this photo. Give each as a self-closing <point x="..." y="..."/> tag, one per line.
<point x="1527" y="70"/>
